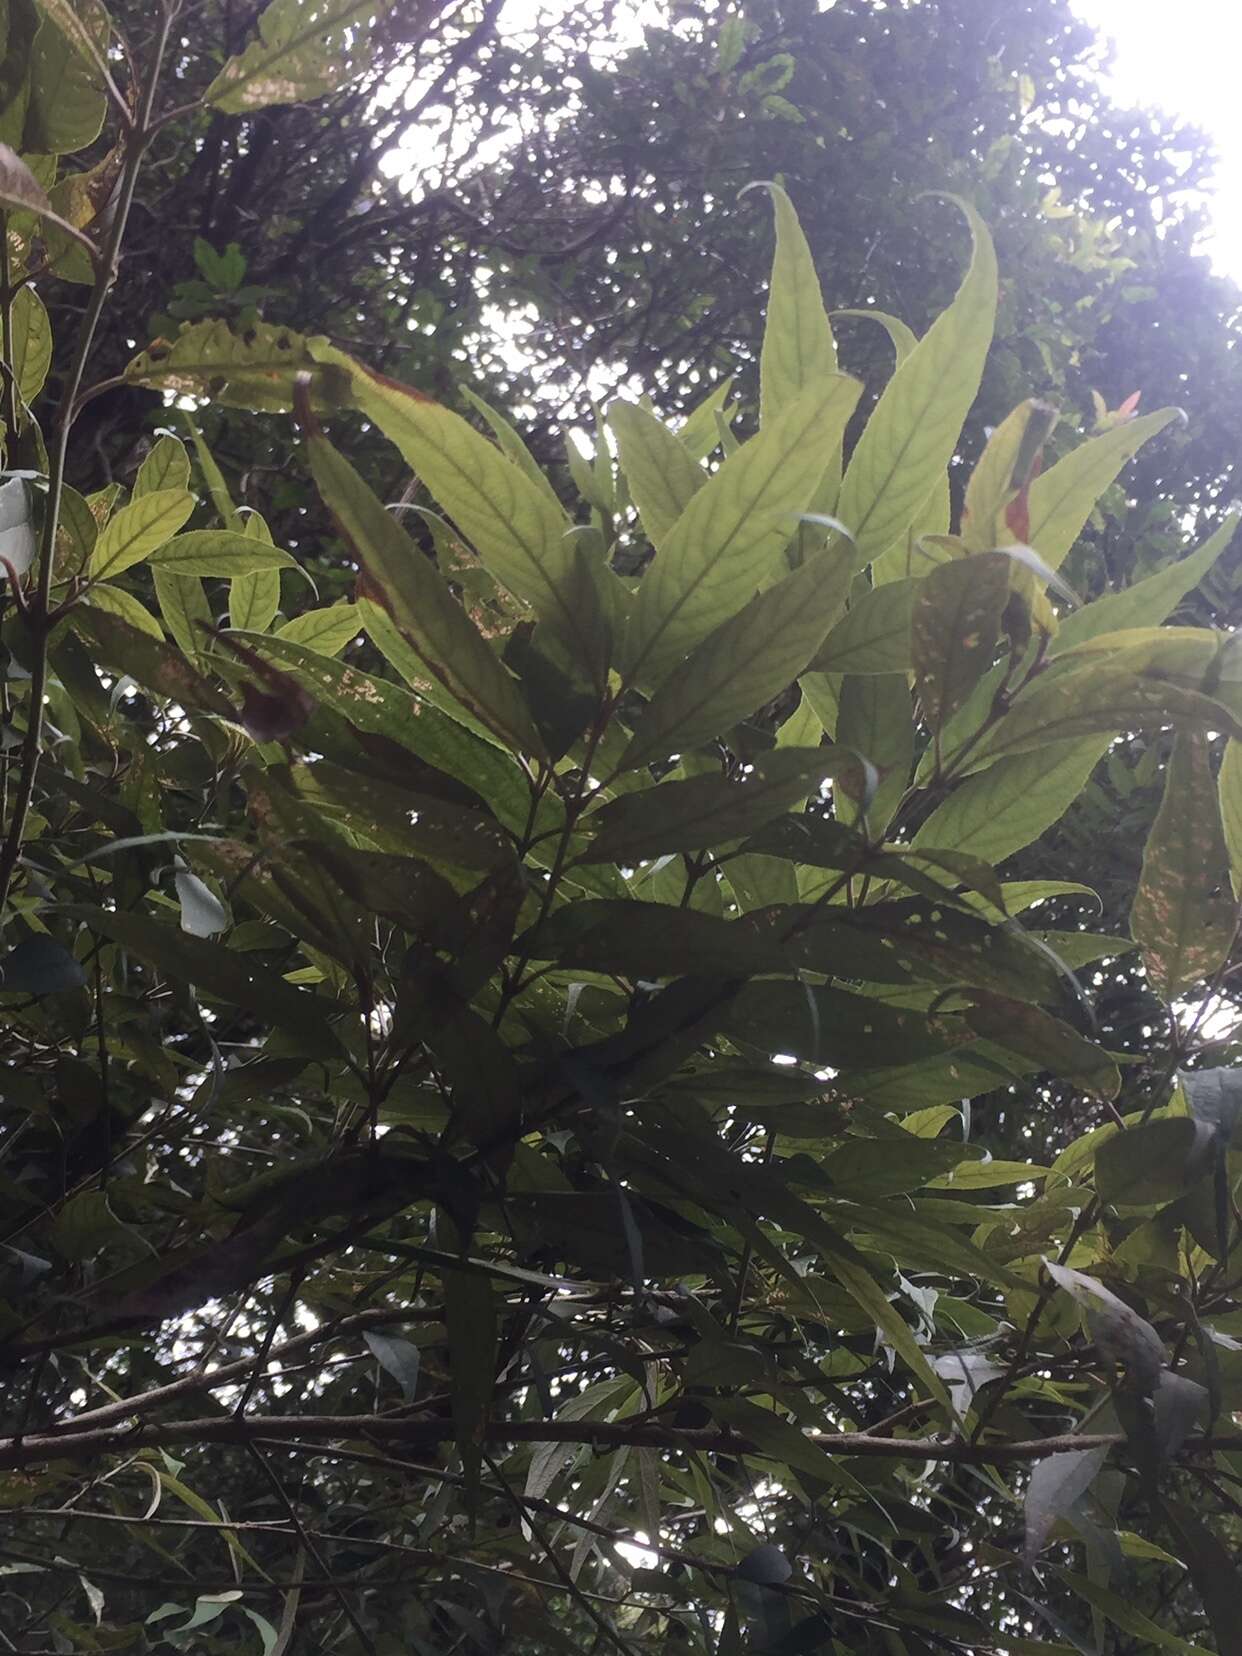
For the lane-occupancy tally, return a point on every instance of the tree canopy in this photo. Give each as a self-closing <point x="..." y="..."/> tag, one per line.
<point x="626" y="1050"/>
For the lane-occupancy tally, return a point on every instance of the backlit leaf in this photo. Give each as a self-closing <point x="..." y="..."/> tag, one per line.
<point x="1184" y="914"/>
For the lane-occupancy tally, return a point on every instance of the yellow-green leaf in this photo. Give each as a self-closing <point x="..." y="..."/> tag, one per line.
<point x="404" y="581"/>
<point x="254" y="599"/>
<point x="1064" y="497"/>
<point x="874" y="635"/>
<point x="1003" y="468"/>
<point x="798" y="348"/>
<point x="217" y="552"/>
<point x="1184" y="916"/>
<point x="1230" y="790"/>
<point x="752" y="657"/>
<point x="167" y="466"/>
<point x="304" y="50"/>
<point x="954" y="626"/>
<point x="136" y="530"/>
<point x="327" y="630"/>
<point x="729" y="538"/>
<point x="662" y="477"/>
<point x="1147" y="603"/>
<point x="512" y="525"/>
<point x="913" y="431"/>
<point x="185" y="611"/>
<point x="1003" y="808"/>
<point x="119" y="602"/>
<point x="32" y="342"/>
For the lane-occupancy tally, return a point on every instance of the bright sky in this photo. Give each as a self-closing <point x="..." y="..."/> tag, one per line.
<point x="1183" y="55"/>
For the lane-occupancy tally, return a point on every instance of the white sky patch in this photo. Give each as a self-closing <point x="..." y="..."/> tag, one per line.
<point x="1184" y="60"/>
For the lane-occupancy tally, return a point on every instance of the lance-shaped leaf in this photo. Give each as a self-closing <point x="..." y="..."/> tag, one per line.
<point x="1153" y="1162"/>
<point x="875" y="720"/>
<point x="167" y="466"/>
<point x="1230" y="790"/>
<point x="215" y="552"/>
<point x="1056" y="1485"/>
<point x="1184" y="915"/>
<point x="1147" y="603"/>
<point x="32" y="342"/>
<point x="1062" y="706"/>
<point x="744" y="663"/>
<point x="798" y="349"/>
<point x="398" y="1357"/>
<point x="954" y="626"/>
<point x="874" y="635"/>
<point x="1052" y="1044"/>
<point x="522" y="539"/>
<point x="222" y="973"/>
<point x="662" y="477"/>
<point x="903" y="337"/>
<point x="304" y="50"/>
<point x="913" y="431"/>
<point x="653" y="940"/>
<point x="405" y="582"/>
<point x="727" y="541"/>
<point x="707" y="810"/>
<point x="326" y="630"/>
<point x="1064" y="497"/>
<point x="470" y="1319"/>
<point x="1003" y="471"/>
<point x="1122" y="1335"/>
<point x="999" y="810"/>
<point x="135" y="531"/>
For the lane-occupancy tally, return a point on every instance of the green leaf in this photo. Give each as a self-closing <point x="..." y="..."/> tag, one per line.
<point x="743" y="664"/>
<point x="405" y="582"/>
<point x="728" y="540"/>
<point x="652" y="940"/>
<point x="1060" y="706"/>
<point x="219" y="972"/>
<point x="185" y="612"/>
<point x="167" y="466"/>
<point x="798" y="348"/>
<point x="470" y="1317"/>
<point x="875" y="719"/>
<point x="39" y="965"/>
<point x="304" y="50"/>
<point x="706" y="810"/>
<point x="699" y="434"/>
<point x="326" y="631"/>
<point x="67" y="98"/>
<point x="1064" y="497"/>
<point x="135" y="531"/>
<point x="1147" y="603"/>
<point x="154" y="665"/>
<point x="1003" y="808"/>
<point x="913" y="431"/>
<point x="1148" y="1163"/>
<point x="32" y="342"/>
<point x="874" y="634"/>
<point x="253" y="599"/>
<point x="123" y="604"/>
<point x="217" y="552"/>
<point x="1056" y="1485"/>
<point x="400" y="1358"/>
<point x="1230" y="789"/>
<point x="954" y="626"/>
<point x="1184" y="915"/>
<point x="662" y="477"/>
<point x="255" y="369"/>
<point x="1053" y="1045"/>
<point x="1217" y="1579"/>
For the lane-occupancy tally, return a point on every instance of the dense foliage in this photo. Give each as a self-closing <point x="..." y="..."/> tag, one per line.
<point x="519" y="1066"/>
